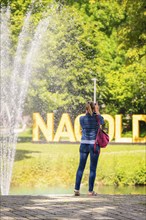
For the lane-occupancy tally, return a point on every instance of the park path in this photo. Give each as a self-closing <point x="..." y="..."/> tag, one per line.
<point x="69" y="207"/>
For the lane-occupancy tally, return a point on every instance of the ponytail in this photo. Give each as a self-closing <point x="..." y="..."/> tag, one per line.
<point x="90" y="106"/>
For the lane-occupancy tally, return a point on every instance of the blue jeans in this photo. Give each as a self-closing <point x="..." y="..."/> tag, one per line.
<point x="85" y="150"/>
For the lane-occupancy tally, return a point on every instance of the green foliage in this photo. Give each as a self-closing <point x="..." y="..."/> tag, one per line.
<point x="129" y="91"/>
<point x="122" y="169"/>
<point x="86" y="39"/>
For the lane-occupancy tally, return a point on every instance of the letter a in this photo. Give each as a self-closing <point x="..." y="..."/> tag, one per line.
<point x="65" y="129"/>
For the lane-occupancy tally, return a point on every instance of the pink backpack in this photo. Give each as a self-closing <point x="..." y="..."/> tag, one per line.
<point x="102" y="139"/>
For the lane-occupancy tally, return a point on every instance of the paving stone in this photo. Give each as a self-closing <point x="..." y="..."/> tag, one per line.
<point x="68" y="207"/>
<point x="7" y="218"/>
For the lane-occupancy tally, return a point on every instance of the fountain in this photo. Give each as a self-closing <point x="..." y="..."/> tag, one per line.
<point x="15" y="76"/>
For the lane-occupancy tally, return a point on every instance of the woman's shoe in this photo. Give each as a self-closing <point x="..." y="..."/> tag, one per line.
<point x="92" y="193"/>
<point x="76" y="192"/>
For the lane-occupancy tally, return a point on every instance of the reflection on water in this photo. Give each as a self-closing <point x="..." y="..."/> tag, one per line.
<point x="69" y="190"/>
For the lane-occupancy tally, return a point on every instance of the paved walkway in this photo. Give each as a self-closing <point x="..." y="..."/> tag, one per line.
<point x="68" y="207"/>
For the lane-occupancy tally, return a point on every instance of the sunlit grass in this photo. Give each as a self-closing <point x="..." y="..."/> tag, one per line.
<point x="56" y="164"/>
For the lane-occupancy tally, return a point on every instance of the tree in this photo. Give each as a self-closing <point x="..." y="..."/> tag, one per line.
<point x="86" y="39"/>
<point x="127" y="84"/>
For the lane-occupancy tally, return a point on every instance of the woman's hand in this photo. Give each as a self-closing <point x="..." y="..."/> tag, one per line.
<point x="97" y="109"/>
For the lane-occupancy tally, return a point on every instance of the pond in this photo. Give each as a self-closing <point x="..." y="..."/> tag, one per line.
<point x="69" y="190"/>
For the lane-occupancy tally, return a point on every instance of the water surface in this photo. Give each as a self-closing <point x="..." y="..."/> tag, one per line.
<point x="69" y="190"/>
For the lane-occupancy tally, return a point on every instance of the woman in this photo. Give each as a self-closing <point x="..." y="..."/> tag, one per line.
<point x="89" y="127"/>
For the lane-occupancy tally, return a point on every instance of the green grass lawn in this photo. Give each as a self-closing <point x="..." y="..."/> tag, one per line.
<point x="38" y="165"/>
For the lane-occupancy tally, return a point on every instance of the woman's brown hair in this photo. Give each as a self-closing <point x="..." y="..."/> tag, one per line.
<point x="90" y="107"/>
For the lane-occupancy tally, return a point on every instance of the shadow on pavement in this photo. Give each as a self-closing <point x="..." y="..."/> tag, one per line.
<point x="70" y="207"/>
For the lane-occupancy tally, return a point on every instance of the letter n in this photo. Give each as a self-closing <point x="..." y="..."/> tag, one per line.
<point x="39" y="124"/>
